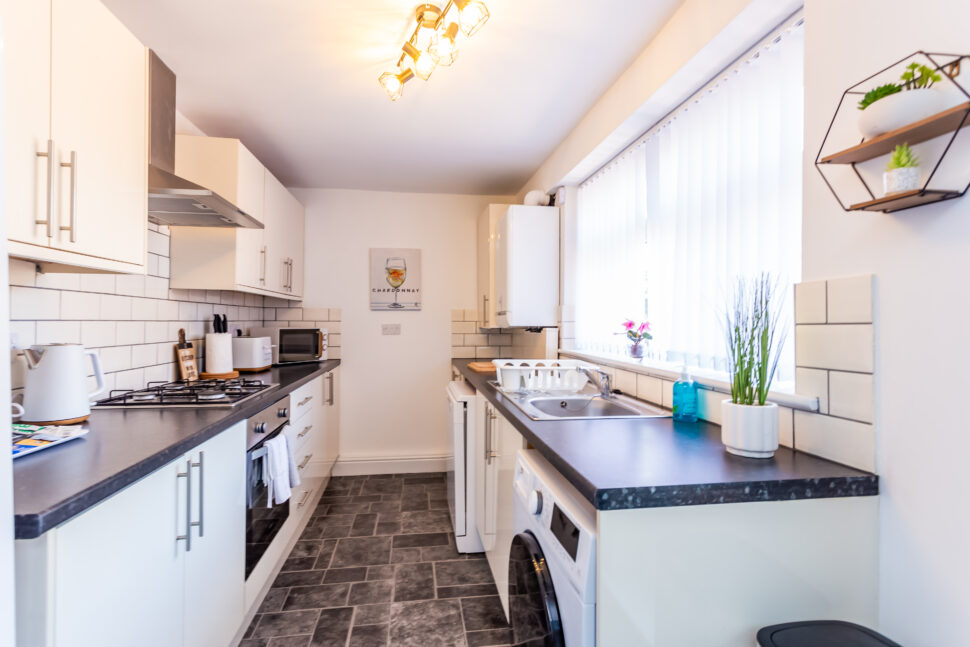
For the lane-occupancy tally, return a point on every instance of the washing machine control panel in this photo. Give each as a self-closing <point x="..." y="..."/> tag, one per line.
<point x="564" y="524"/>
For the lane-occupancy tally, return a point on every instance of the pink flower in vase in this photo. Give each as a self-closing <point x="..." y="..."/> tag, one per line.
<point x="628" y="324"/>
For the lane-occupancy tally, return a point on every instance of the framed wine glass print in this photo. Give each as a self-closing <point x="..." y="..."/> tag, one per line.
<point x="395" y="279"/>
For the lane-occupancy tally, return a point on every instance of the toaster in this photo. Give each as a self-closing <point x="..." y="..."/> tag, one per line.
<point x="252" y="354"/>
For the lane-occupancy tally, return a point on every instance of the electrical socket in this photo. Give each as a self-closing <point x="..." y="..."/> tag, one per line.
<point x="391" y="329"/>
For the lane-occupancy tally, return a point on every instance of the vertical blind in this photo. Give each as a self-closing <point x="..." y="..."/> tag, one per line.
<point x="709" y="195"/>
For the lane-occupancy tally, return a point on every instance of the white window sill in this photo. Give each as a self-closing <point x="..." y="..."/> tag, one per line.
<point x="706" y="379"/>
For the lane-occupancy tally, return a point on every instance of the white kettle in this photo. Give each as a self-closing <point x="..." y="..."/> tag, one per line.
<point x="56" y="390"/>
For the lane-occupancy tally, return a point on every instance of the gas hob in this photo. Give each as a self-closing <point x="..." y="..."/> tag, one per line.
<point x="197" y="393"/>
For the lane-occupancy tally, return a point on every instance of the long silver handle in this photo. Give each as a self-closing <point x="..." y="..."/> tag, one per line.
<point x="306" y="459"/>
<point x="330" y="390"/>
<point x="305" y="431"/>
<point x="304" y="400"/>
<point x="50" y="188"/>
<point x="73" y="226"/>
<point x="488" y="433"/>
<point x="485" y="310"/>
<point x="201" y="466"/>
<point x="306" y="495"/>
<point x="289" y="279"/>
<point x="187" y="537"/>
<point x="262" y="271"/>
<point x="491" y="441"/>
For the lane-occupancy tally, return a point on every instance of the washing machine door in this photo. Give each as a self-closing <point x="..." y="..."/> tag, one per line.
<point x="533" y="610"/>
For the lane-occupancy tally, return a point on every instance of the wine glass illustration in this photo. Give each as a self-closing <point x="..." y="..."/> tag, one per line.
<point x="396" y="270"/>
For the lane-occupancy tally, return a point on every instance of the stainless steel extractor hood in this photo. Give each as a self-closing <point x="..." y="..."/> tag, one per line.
<point x="173" y="200"/>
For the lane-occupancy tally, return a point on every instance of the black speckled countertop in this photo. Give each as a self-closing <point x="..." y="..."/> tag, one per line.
<point x="653" y="463"/>
<point x="122" y="446"/>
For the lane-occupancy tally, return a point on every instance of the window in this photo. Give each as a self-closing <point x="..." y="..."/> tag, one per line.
<point x="710" y="194"/>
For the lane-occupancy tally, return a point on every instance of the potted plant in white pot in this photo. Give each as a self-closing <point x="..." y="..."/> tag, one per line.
<point x="749" y="423"/>
<point x="902" y="171"/>
<point x="894" y="105"/>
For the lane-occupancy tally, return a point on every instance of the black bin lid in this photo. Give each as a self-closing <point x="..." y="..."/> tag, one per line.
<point x="819" y="633"/>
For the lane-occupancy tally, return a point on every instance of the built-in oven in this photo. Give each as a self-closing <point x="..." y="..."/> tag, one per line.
<point x="295" y="345"/>
<point x="263" y="521"/>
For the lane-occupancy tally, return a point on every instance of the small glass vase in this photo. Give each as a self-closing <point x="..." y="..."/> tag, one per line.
<point x="636" y="350"/>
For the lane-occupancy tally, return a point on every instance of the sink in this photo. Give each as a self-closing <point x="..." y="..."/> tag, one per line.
<point x="581" y="406"/>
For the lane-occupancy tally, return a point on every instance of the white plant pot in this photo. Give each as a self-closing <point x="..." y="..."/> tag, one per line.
<point x="900" y="109"/>
<point x="901" y="179"/>
<point x="748" y="430"/>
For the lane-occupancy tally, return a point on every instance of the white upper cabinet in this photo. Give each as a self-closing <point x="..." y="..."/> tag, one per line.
<point x="487" y="229"/>
<point x="75" y="87"/>
<point x="262" y="261"/>
<point x="527" y="267"/>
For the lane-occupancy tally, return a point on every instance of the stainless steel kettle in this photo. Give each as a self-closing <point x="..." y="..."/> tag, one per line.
<point x="56" y="389"/>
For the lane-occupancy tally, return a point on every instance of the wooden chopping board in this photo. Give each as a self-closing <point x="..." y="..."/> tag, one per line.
<point x="482" y="367"/>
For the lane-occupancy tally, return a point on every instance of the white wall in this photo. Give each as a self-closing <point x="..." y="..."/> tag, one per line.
<point x="920" y="258"/>
<point x="392" y="401"/>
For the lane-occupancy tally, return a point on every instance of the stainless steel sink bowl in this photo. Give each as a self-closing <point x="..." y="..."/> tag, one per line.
<point x="582" y="406"/>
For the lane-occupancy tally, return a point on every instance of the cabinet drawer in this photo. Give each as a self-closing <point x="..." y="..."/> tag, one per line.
<point x="306" y="397"/>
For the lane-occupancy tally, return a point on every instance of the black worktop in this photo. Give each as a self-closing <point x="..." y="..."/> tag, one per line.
<point x="124" y="445"/>
<point x="653" y="463"/>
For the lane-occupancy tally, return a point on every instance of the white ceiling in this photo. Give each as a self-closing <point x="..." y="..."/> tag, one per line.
<point x="296" y="80"/>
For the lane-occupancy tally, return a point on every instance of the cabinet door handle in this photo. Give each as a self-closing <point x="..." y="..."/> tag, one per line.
<point x="491" y="437"/>
<point x="201" y="465"/>
<point x="262" y="265"/>
<point x="187" y="475"/>
<point x="488" y="433"/>
<point x="50" y="188"/>
<point x="306" y="495"/>
<point x="289" y="280"/>
<point x="73" y="226"/>
<point x="330" y="390"/>
<point x="306" y="459"/>
<point x="484" y="310"/>
<point x="305" y="400"/>
<point x="305" y="431"/>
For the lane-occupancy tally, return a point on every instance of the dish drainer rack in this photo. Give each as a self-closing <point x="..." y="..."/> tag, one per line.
<point x="551" y="375"/>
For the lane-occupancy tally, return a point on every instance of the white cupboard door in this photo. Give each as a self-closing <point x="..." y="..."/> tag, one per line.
<point x="296" y="236"/>
<point x="478" y="455"/>
<point x="486" y="519"/>
<point x="508" y="442"/>
<point x="276" y="237"/>
<point x="251" y="257"/>
<point x="214" y="567"/>
<point x="119" y="567"/>
<point x="26" y="93"/>
<point x="99" y="124"/>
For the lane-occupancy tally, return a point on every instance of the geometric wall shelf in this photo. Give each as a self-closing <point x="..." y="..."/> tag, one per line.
<point x="852" y="169"/>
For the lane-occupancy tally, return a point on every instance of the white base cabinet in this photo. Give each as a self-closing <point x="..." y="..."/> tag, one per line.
<point x="136" y="569"/>
<point x="494" y="494"/>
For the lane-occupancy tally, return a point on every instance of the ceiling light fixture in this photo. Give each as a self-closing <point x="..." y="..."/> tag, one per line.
<point x="433" y="41"/>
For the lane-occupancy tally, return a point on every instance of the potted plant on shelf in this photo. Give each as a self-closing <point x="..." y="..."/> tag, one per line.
<point x="902" y="171"/>
<point x="637" y="335"/>
<point x="749" y="423"/>
<point x="895" y="105"/>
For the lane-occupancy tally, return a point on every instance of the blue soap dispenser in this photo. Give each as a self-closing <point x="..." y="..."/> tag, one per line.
<point x="685" y="398"/>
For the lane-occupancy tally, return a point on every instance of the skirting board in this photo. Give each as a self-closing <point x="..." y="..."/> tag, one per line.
<point x="390" y="465"/>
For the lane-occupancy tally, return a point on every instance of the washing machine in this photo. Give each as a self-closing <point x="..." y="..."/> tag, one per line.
<point x="552" y="564"/>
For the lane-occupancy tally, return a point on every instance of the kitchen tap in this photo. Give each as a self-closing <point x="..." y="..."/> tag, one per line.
<point x="601" y="381"/>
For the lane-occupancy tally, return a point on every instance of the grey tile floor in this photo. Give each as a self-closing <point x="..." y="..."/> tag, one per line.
<point x="377" y="566"/>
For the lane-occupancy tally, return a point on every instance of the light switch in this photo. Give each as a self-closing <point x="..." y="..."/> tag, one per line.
<point x="391" y="329"/>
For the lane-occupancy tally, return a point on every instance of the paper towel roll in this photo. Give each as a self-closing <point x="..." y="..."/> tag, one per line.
<point x="218" y="352"/>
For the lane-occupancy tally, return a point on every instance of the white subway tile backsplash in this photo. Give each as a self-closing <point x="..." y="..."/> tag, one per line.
<point x="851" y="395"/>
<point x="810" y="302"/>
<point x="786" y="427"/>
<point x="470" y="314"/>
<point x="115" y="358"/>
<point x="845" y="347"/>
<point x="458" y="352"/>
<point x="22" y="272"/>
<point x="467" y="327"/>
<point x="103" y="283"/>
<point x="134" y="379"/>
<point x="188" y="311"/>
<point x="476" y="340"/>
<point x="130" y="284"/>
<point x="168" y="310"/>
<point x="843" y="441"/>
<point x="850" y="299"/>
<point x="34" y="303"/>
<point x="157" y="243"/>
<point x="143" y="355"/>
<point x="334" y="340"/>
<point x="23" y="333"/>
<point x="95" y="334"/>
<point x="499" y="340"/>
<point x="336" y="314"/>
<point x="80" y="305"/>
<point x="144" y="309"/>
<point x="316" y="314"/>
<point x="650" y="389"/>
<point x="115" y="307"/>
<point x="156" y="288"/>
<point x="130" y="332"/>
<point x="813" y="383"/>
<point x="58" y="281"/>
<point x="58" y="332"/>
<point x="487" y="352"/>
<point x="151" y="264"/>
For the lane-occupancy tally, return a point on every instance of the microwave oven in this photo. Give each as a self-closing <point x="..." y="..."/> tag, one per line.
<point x="295" y="345"/>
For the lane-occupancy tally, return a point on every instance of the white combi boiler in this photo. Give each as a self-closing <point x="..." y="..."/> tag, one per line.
<point x="552" y="564"/>
<point x="461" y="466"/>
<point x="527" y="267"/>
